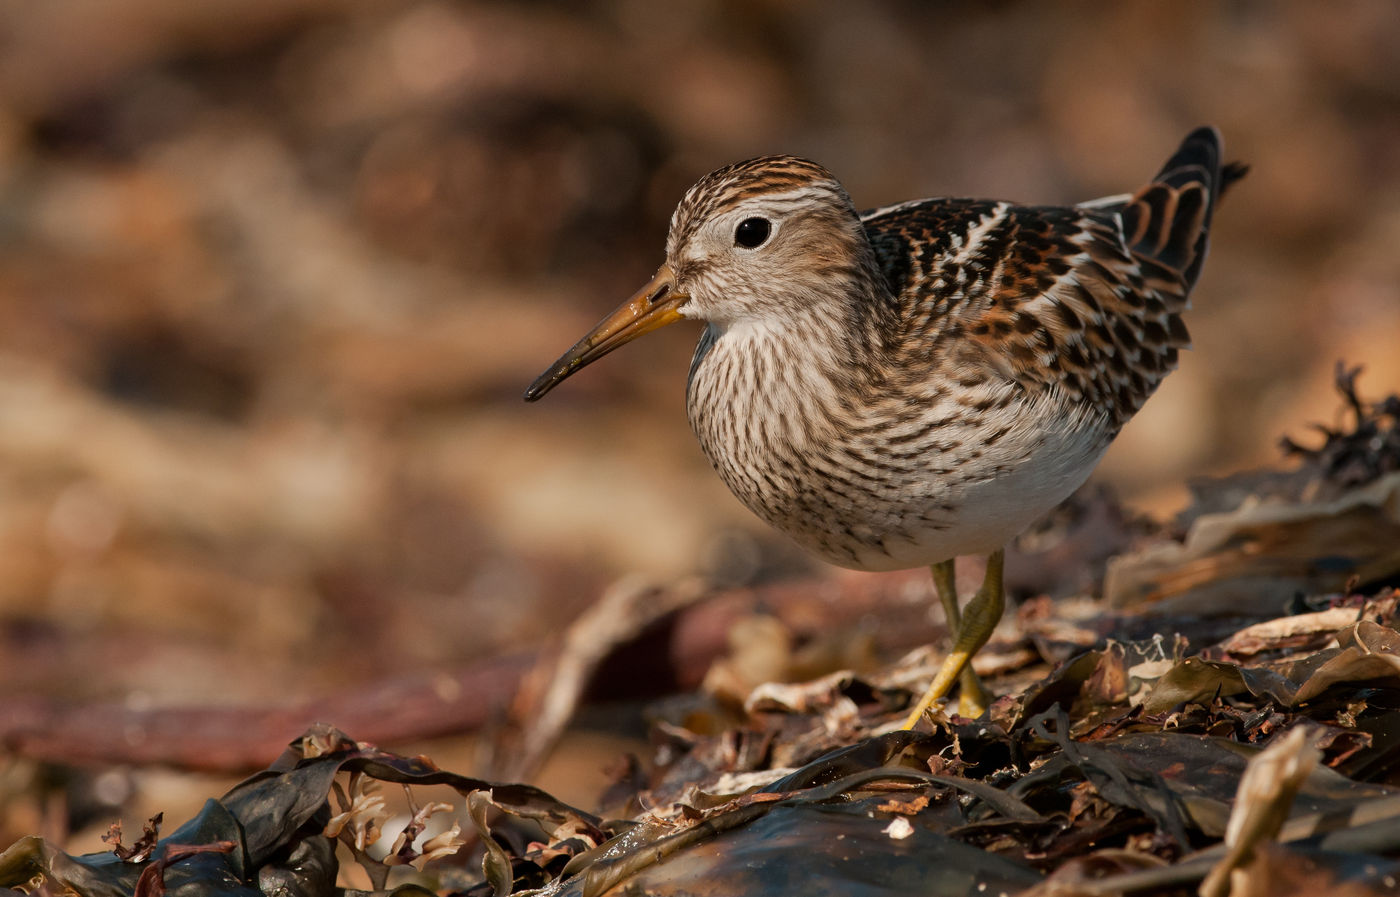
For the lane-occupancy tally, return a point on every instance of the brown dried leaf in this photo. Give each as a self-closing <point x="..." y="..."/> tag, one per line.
<point x="1239" y="561"/>
<point x="1262" y="806"/>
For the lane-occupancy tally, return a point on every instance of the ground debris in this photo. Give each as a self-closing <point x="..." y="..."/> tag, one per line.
<point x="1361" y="452"/>
<point x="1362" y="448"/>
<point x="141" y="850"/>
<point x="1140" y="750"/>
<point x="1258" y="540"/>
<point x="1116" y="772"/>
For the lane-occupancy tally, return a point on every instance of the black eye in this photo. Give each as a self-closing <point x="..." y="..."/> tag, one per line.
<point x="751" y="232"/>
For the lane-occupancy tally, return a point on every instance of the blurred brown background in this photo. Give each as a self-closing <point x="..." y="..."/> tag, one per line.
<point x="274" y="273"/>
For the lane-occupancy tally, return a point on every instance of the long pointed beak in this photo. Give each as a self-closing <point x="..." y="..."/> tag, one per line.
<point x="650" y="308"/>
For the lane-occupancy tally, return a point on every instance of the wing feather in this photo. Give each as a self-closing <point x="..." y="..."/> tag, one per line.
<point x="1086" y="300"/>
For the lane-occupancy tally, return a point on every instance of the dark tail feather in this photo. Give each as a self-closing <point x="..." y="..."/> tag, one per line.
<point x="1169" y="219"/>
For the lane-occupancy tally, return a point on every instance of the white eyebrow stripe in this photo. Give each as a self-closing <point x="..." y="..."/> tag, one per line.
<point x="777" y="202"/>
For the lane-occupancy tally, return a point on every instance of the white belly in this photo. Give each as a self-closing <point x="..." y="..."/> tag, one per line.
<point x="993" y="493"/>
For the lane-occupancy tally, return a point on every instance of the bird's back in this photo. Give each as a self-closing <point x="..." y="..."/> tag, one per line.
<point x="1086" y="300"/>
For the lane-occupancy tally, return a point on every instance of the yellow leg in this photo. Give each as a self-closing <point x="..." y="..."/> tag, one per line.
<point x="971" y="630"/>
<point x="973" y="698"/>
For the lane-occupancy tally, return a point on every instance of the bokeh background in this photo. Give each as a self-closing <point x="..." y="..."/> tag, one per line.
<point x="274" y="273"/>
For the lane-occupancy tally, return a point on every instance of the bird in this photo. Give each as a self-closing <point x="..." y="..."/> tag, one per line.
<point x="900" y="387"/>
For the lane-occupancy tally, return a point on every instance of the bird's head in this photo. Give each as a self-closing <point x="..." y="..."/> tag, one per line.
<point x="761" y="240"/>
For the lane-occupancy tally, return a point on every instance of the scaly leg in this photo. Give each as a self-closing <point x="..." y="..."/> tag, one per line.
<point x="973" y="698"/>
<point x="973" y="628"/>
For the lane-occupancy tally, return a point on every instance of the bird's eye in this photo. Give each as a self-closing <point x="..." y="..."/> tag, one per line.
<point x="752" y="232"/>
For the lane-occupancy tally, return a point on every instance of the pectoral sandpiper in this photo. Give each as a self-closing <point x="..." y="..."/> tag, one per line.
<point x="900" y="387"/>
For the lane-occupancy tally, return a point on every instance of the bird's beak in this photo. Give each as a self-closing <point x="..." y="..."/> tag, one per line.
<point x="650" y="308"/>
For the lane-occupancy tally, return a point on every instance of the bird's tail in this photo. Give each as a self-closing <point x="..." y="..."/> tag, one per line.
<point x="1169" y="219"/>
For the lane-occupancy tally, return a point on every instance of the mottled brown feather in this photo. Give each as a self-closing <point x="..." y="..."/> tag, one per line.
<point x="1087" y="300"/>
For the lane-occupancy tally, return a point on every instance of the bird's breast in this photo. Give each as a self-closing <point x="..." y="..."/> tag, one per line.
<point x="881" y="479"/>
